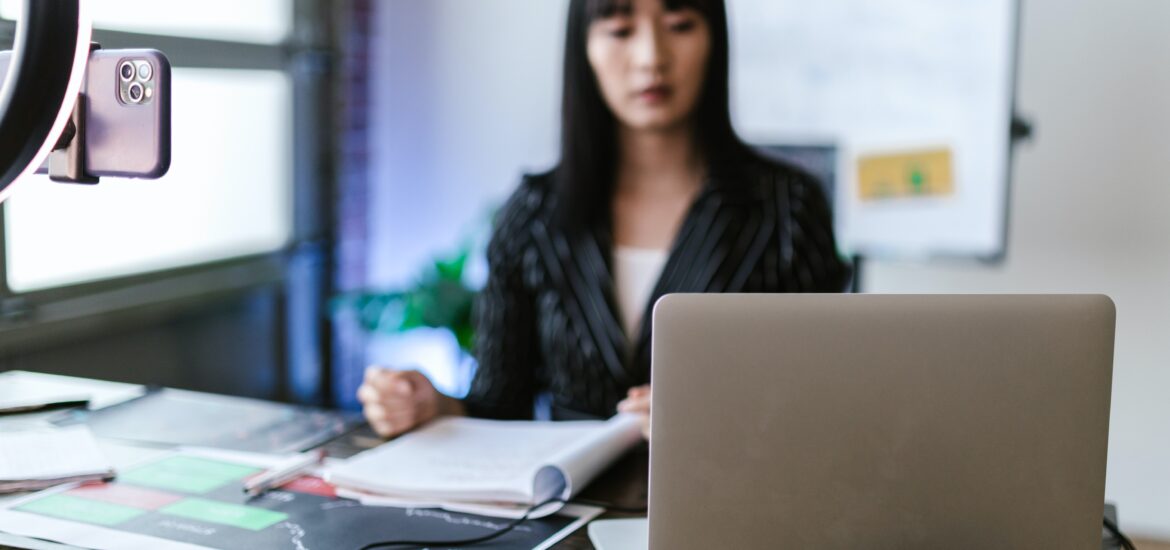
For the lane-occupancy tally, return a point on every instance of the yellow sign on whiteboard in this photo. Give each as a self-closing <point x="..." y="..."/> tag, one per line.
<point x="925" y="173"/>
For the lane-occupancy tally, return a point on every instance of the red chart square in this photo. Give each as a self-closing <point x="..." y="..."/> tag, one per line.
<point x="135" y="497"/>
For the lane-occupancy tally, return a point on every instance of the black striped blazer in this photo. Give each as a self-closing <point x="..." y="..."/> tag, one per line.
<point x="547" y="320"/>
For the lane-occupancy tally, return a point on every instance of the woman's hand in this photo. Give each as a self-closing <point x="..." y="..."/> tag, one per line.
<point x="397" y="401"/>
<point x="637" y="401"/>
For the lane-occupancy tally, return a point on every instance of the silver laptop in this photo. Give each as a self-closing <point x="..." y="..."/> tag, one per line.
<point x="879" y="421"/>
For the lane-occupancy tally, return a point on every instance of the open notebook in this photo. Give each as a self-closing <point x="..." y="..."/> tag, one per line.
<point x="487" y="467"/>
<point x="34" y="459"/>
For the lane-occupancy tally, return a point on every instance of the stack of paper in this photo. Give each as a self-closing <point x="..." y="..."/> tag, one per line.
<point x="35" y="459"/>
<point x="23" y="389"/>
<point x="486" y="467"/>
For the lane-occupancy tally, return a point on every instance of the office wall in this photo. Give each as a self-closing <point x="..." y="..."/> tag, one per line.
<point x="463" y="97"/>
<point x="466" y="98"/>
<point x="1091" y="213"/>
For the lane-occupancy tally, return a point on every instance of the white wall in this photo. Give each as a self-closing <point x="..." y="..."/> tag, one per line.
<point x="1091" y="213"/>
<point x="466" y="96"/>
<point x="467" y="100"/>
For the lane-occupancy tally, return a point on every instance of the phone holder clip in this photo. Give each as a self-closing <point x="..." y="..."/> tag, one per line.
<point x="67" y="161"/>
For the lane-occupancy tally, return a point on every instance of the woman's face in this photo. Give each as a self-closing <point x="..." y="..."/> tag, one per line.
<point x="650" y="63"/>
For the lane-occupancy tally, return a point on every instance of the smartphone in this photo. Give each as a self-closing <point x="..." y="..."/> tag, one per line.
<point x="128" y="112"/>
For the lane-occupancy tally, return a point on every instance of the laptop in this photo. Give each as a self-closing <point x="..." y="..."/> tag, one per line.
<point x="879" y="421"/>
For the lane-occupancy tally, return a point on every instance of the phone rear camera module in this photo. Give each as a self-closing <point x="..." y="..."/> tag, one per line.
<point x="135" y="92"/>
<point x="126" y="70"/>
<point x="144" y="70"/>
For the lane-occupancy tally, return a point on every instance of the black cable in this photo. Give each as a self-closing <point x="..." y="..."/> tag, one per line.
<point x="610" y="507"/>
<point x="463" y="542"/>
<point x="501" y="531"/>
<point x="1113" y="529"/>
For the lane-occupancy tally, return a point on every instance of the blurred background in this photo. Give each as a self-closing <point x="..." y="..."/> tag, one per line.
<point x="337" y="163"/>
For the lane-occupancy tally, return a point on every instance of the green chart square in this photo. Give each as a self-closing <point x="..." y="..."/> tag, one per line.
<point x="244" y="517"/>
<point x="187" y="474"/>
<point x="81" y="509"/>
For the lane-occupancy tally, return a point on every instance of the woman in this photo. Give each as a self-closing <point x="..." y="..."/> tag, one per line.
<point x="654" y="194"/>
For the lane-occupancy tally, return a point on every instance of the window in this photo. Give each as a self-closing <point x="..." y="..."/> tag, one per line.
<point x="226" y="194"/>
<point x="222" y="218"/>
<point x="263" y="21"/>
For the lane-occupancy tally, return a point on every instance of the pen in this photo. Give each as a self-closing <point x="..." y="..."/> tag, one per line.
<point x="283" y="472"/>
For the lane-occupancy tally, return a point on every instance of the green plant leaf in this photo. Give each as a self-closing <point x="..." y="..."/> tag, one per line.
<point x="439" y="298"/>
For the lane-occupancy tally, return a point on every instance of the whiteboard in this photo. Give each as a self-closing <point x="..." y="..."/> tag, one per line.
<point x="888" y="80"/>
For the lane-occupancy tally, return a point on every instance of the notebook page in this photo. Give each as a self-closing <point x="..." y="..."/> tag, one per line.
<point x="591" y="455"/>
<point x="464" y="459"/>
<point x="50" y="454"/>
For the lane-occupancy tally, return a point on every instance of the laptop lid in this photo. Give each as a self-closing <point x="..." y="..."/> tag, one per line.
<point x="879" y="421"/>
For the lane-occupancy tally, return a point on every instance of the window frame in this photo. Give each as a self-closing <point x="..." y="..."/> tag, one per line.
<point x="40" y="318"/>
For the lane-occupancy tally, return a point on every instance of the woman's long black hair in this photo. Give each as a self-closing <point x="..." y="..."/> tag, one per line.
<point x="588" y="166"/>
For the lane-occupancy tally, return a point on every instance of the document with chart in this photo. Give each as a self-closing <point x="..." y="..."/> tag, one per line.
<point x="191" y="499"/>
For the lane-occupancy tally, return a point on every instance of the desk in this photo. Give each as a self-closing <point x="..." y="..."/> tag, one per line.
<point x="625" y="485"/>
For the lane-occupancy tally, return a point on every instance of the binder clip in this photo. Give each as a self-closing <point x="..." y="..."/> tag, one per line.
<point x="67" y="160"/>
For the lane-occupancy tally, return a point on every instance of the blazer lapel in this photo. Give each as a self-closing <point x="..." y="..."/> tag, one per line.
<point x="722" y="223"/>
<point x="594" y="255"/>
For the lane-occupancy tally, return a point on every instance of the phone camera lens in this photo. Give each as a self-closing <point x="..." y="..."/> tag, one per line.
<point x="126" y="70"/>
<point x="144" y="71"/>
<point x="135" y="92"/>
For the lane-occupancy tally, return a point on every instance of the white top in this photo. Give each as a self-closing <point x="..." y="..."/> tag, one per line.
<point x="635" y="274"/>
